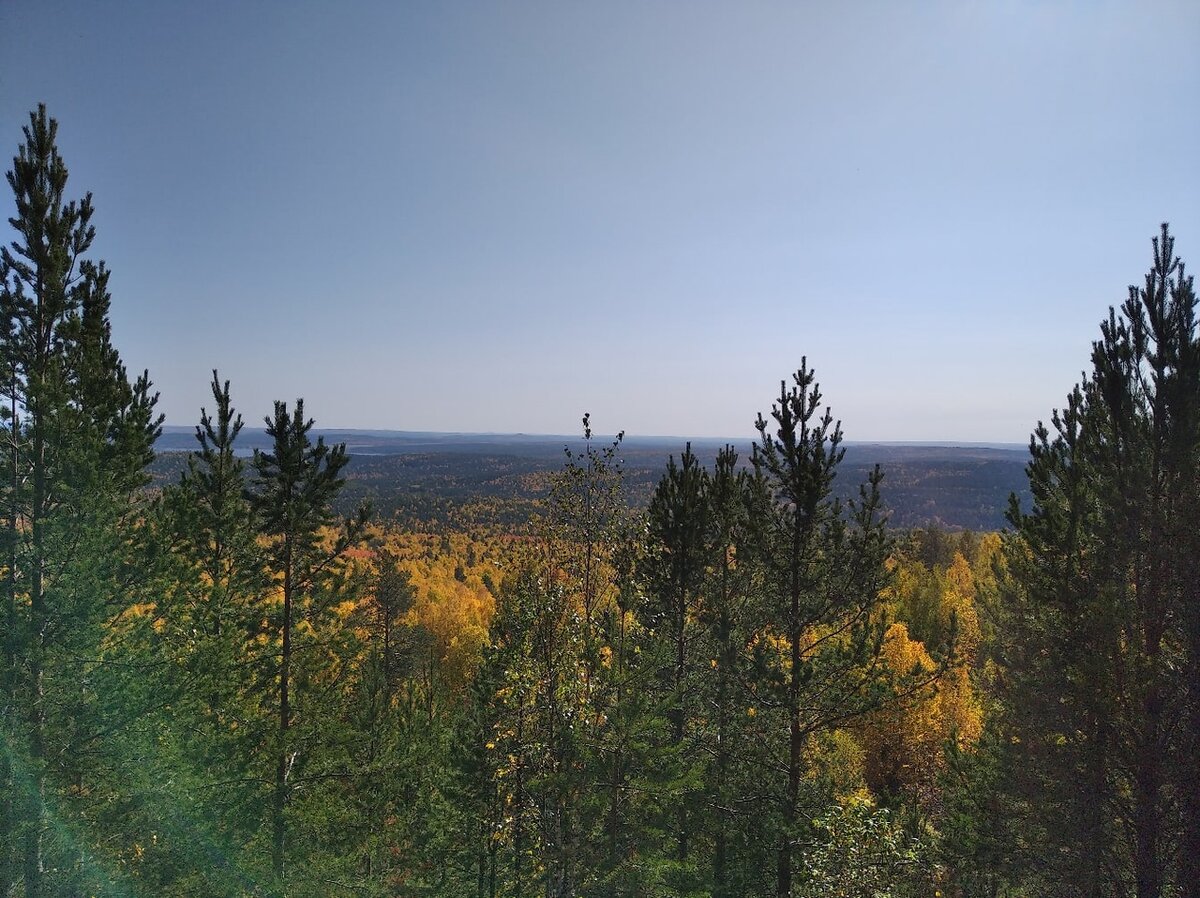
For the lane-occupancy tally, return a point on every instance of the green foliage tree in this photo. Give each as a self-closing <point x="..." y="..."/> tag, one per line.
<point x="1102" y="609"/>
<point x="214" y="527"/>
<point x="858" y="851"/>
<point x="78" y="435"/>
<point x="293" y="489"/>
<point x="731" y="581"/>
<point x="676" y="565"/>
<point x="576" y="780"/>
<point x="209" y="576"/>
<point x="520" y="691"/>
<point x="587" y="518"/>
<point x="826" y="574"/>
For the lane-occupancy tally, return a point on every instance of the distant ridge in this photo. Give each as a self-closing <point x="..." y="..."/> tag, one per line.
<point x="424" y="477"/>
<point x="377" y="441"/>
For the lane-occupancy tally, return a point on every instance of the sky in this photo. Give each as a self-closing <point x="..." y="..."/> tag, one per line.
<point x="493" y="217"/>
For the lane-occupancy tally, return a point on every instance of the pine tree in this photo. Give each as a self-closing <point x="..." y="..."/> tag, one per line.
<point x="1104" y="596"/>
<point x="826" y="572"/>
<point x="678" y="533"/>
<point x="724" y="612"/>
<point x="211" y="577"/>
<point x="509" y="765"/>
<point x="12" y="635"/>
<point x="78" y="437"/>
<point x="41" y="290"/>
<point x="293" y="491"/>
<point x="214" y="526"/>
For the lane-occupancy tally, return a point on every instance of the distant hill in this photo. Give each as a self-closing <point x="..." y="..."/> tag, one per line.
<point x="422" y="478"/>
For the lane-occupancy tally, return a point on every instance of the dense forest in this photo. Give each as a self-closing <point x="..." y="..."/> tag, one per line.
<point x="461" y="481"/>
<point x="468" y="480"/>
<point x="221" y="684"/>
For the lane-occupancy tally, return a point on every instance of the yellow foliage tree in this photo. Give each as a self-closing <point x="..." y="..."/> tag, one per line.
<point x="903" y="742"/>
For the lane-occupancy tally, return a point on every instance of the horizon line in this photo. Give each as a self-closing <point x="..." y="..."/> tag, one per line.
<point x="935" y="443"/>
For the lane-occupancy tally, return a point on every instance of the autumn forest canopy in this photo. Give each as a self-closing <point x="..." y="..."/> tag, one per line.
<point x="745" y="681"/>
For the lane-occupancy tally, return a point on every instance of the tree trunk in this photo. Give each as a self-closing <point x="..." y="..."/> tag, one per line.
<point x="8" y="780"/>
<point x="278" y="823"/>
<point x="1189" y="847"/>
<point x="795" y="740"/>
<point x="677" y="724"/>
<point x="34" y="862"/>
<point x="1147" y="822"/>
<point x="720" y="861"/>
<point x="725" y="668"/>
<point x="519" y="802"/>
<point x="618" y="769"/>
<point x="1148" y="777"/>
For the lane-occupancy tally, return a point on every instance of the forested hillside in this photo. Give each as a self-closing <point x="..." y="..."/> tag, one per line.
<point x="462" y="480"/>
<point x="729" y="675"/>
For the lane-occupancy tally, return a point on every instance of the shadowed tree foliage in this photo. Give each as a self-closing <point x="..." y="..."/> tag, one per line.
<point x="676" y="566"/>
<point x="1101" y="637"/>
<point x="77" y="437"/>
<point x="826" y="572"/>
<point x="292" y="494"/>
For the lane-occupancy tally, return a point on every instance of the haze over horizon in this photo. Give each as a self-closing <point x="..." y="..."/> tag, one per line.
<point x="177" y="432"/>
<point x="491" y="219"/>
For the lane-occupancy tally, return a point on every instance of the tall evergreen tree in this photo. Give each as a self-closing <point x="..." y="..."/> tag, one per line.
<point x="293" y="491"/>
<point x="207" y="622"/>
<point x="214" y="524"/>
<point x="1104" y="595"/>
<point x="678" y="534"/>
<point x="826" y="573"/>
<point x="78" y="437"/>
<point x="516" y="711"/>
<point x="729" y="583"/>
<point x="12" y="636"/>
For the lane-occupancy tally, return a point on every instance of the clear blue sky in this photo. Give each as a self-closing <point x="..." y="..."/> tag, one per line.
<point x="493" y="217"/>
